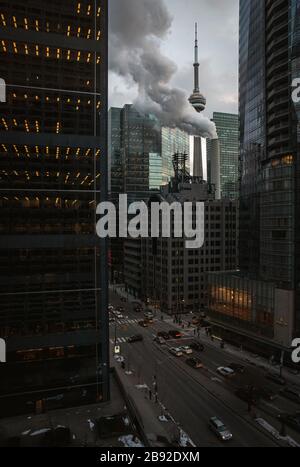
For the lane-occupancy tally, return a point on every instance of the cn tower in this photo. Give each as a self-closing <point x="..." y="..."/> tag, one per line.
<point x="197" y="100"/>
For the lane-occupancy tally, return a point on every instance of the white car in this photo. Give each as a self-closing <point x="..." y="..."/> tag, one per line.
<point x="119" y="359"/>
<point x="119" y="315"/>
<point x="186" y="350"/>
<point x="176" y="351"/>
<point x="227" y="372"/>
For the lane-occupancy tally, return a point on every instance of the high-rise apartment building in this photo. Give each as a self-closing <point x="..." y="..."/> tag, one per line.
<point x="227" y="126"/>
<point x="270" y="180"/>
<point x="174" y="278"/>
<point x="53" y="168"/>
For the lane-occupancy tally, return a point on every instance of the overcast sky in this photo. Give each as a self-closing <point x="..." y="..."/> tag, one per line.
<point x="218" y="47"/>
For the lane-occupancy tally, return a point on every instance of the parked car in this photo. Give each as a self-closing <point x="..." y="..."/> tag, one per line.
<point x="175" y="334"/>
<point x="159" y="340"/>
<point x="292" y="394"/>
<point x="164" y="335"/>
<point x="176" y="351"/>
<point x="204" y="323"/>
<point x="144" y="323"/>
<point x="265" y="393"/>
<point x="186" y="350"/>
<point x="220" y="429"/>
<point x="197" y="346"/>
<point x="277" y="379"/>
<point x="227" y="372"/>
<point x="135" y="338"/>
<point x="237" y="368"/>
<point x="245" y="395"/>
<point x="194" y="363"/>
<point x="195" y="320"/>
<point x="293" y="421"/>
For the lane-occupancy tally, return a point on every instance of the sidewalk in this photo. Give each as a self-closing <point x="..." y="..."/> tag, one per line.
<point x="158" y="426"/>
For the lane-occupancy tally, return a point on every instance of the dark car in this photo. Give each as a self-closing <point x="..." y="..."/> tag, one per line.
<point x="265" y="393"/>
<point x="175" y="334"/>
<point x="138" y="309"/>
<point x="159" y="340"/>
<point x="204" y="323"/>
<point x="246" y="395"/>
<point x="194" y="363"/>
<point x="123" y="299"/>
<point x="197" y="346"/>
<point x="293" y="421"/>
<point x="164" y="335"/>
<point x="136" y="338"/>
<point x="195" y="320"/>
<point x="291" y="394"/>
<point x="237" y="368"/>
<point x="121" y="309"/>
<point x="144" y="323"/>
<point x="277" y="379"/>
<point x="221" y="431"/>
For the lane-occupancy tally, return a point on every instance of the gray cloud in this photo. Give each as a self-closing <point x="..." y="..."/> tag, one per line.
<point x="137" y="30"/>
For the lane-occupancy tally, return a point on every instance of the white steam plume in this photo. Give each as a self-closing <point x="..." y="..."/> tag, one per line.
<point x="137" y="28"/>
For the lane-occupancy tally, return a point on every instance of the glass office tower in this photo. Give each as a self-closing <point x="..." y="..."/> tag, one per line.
<point x="252" y="126"/>
<point x="135" y="169"/>
<point x="270" y="180"/>
<point x="227" y="126"/>
<point x="53" y="276"/>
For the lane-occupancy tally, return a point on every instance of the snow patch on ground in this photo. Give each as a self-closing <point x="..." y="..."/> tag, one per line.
<point x="185" y="441"/>
<point x="275" y="433"/>
<point x="141" y="386"/>
<point x="163" y="419"/>
<point x="131" y="441"/>
<point x="40" y="432"/>
<point x="91" y="425"/>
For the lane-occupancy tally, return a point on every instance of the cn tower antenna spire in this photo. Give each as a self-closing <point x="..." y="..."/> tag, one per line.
<point x="196" y="63"/>
<point x="197" y="100"/>
<point x="196" y="42"/>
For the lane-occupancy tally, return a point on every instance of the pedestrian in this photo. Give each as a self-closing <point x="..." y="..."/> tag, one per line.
<point x="194" y="332"/>
<point x="150" y="394"/>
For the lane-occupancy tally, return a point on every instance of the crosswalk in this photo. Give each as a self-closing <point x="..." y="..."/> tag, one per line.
<point x="123" y="322"/>
<point x="120" y="340"/>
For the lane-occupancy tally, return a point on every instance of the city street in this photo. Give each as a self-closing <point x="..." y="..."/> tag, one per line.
<point x="194" y="396"/>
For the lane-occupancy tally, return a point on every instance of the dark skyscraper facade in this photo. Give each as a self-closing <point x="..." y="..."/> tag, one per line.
<point x="53" y="173"/>
<point x="294" y="63"/>
<point x="269" y="148"/>
<point x="264" y="297"/>
<point x="252" y="125"/>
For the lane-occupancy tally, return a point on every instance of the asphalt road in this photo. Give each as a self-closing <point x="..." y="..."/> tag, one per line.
<point x="191" y="396"/>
